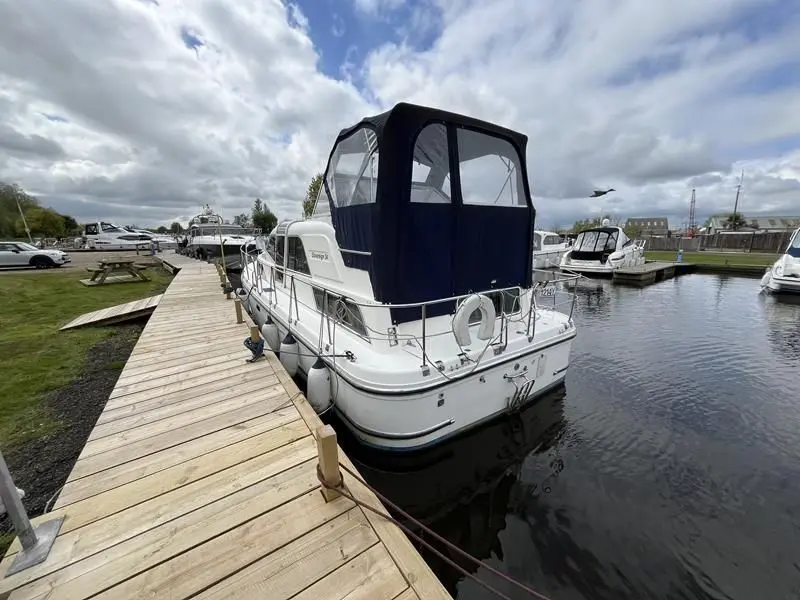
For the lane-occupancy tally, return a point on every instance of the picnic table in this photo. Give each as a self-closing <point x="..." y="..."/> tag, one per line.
<point x="128" y="269"/>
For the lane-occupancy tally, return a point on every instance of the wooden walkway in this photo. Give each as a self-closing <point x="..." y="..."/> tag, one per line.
<point x="117" y="313"/>
<point x="199" y="481"/>
<point x="650" y="272"/>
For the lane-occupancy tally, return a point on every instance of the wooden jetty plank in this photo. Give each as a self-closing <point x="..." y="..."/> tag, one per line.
<point x="271" y="399"/>
<point x="163" y="411"/>
<point x="200" y="480"/>
<point x="243" y="383"/>
<point x="99" y="572"/>
<point x="115" y="500"/>
<point x="135" y="309"/>
<point x="372" y="575"/>
<point x="87" y="487"/>
<point x="299" y="564"/>
<point x="203" y="566"/>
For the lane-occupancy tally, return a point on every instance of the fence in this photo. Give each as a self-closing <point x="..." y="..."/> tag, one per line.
<point x="748" y="241"/>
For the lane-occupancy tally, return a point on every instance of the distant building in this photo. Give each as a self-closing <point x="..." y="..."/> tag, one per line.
<point x="766" y="224"/>
<point x="649" y="225"/>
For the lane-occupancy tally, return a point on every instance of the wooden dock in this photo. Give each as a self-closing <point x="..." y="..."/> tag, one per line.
<point x="199" y="481"/>
<point x="650" y="272"/>
<point x="117" y="313"/>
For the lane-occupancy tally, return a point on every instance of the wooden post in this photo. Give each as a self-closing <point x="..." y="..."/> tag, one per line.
<point x="328" y="452"/>
<point x="237" y="306"/>
<point x="254" y="334"/>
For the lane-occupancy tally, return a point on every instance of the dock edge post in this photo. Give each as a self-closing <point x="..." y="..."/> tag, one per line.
<point x="255" y="335"/>
<point x="328" y="451"/>
<point x="36" y="541"/>
<point x="237" y="305"/>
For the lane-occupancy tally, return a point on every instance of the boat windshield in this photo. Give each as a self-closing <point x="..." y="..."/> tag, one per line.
<point x="596" y="241"/>
<point x="794" y="245"/>
<point x="213" y="230"/>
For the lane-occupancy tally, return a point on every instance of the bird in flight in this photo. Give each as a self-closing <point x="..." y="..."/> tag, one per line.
<point x="598" y="193"/>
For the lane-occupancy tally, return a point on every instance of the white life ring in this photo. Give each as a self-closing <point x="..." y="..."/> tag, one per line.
<point x="461" y="319"/>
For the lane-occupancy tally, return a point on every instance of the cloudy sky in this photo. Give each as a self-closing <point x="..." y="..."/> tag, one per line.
<point x="143" y="110"/>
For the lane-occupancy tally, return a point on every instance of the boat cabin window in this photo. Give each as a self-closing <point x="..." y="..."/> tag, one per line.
<point x="296" y="256"/>
<point x="91" y="229"/>
<point x="551" y="240"/>
<point x="430" y="175"/>
<point x="353" y="170"/>
<point x="506" y="301"/>
<point x="794" y="245"/>
<point x="490" y="171"/>
<point x="340" y="309"/>
<point x="108" y="227"/>
<point x="271" y="246"/>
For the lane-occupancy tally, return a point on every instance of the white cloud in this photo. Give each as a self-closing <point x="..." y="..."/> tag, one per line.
<point x="649" y="98"/>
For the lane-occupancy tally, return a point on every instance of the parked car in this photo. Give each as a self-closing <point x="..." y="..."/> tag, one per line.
<point x="22" y="254"/>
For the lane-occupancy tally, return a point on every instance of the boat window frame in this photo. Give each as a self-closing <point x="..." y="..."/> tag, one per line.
<point x="438" y="193"/>
<point x="320" y="293"/>
<point x="453" y="131"/>
<point x="292" y="264"/>
<point x="330" y="169"/>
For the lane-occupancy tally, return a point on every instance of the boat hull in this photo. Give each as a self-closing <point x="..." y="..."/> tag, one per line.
<point x="773" y="284"/>
<point x="548" y="259"/>
<point x="403" y="421"/>
<point x="233" y="260"/>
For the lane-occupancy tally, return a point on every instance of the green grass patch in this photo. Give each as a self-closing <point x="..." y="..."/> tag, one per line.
<point x="37" y="357"/>
<point x="715" y="258"/>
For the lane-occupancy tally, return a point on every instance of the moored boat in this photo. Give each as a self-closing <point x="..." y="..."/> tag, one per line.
<point x="407" y="301"/>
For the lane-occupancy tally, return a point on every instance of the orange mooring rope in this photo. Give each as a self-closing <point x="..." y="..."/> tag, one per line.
<point x="343" y="491"/>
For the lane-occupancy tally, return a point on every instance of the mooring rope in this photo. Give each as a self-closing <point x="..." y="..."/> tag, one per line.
<point x="344" y="492"/>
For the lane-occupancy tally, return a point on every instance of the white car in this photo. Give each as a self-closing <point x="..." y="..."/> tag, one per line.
<point x="21" y="254"/>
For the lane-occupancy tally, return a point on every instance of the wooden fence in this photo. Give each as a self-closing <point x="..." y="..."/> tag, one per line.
<point x="748" y="241"/>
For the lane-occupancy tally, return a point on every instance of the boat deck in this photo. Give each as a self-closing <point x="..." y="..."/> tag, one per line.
<point x="199" y="481"/>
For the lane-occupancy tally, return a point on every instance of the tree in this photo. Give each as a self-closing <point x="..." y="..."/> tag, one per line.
<point x="632" y="231"/>
<point x="588" y="223"/>
<point x="175" y="228"/>
<point x="735" y="221"/>
<point x="311" y="195"/>
<point x="263" y="217"/>
<point x="162" y="229"/>
<point x="242" y="220"/>
<point x="41" y="221"/>
<point x="71" y="226"/>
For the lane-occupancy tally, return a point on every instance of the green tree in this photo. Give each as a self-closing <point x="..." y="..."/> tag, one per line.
<point x="10" y="194"/>
<point x="41" y="221"/>
<point x="162" y="229"/>
<point x="71" y="226"/>
<point x="632" y="231"/>
<point x="580" y="225"/>
<point x="175" y="228"/>
<point x="263" y="217"/>
<point x="242" y="220"/>
<point x="311" y="195"/>
<point x="735" y="221"/>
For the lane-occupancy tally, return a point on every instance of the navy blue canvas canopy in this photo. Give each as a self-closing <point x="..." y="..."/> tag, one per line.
<point x="433" y="204"/>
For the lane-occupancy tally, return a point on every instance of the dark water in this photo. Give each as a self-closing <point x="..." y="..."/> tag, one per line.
<point x="667" y="467"/>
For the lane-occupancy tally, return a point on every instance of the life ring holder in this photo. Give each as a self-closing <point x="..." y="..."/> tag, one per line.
<point x="460" y="324"/>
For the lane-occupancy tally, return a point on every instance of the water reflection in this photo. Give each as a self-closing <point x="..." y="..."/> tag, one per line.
<point x="463" y="489"/>
<point x="782" y="314"/>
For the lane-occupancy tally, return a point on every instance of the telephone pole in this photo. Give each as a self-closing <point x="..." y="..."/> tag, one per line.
<point x="736" y="202"/>
<point x="690" y="230"/>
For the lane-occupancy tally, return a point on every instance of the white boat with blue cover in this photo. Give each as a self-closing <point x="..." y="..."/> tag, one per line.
<point x="408" y="299"/>
<point x="783" y="277"/>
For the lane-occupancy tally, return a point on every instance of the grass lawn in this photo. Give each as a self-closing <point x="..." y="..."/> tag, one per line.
<point x="715" y="258"/>
<point x="37" y="357"/>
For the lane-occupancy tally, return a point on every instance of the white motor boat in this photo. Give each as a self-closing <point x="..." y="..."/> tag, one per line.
<point x="407" y="300"/>
<point x="209" y="237"/>
<point x="602" y="250"/>
<point x="548" y="249"/>
<point x="165" y="241"/>
<point x="107" y="236"/>
<point x="783" y="277"/>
